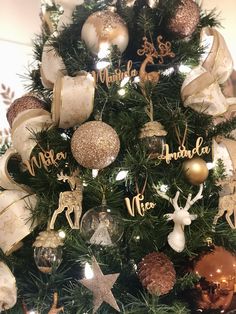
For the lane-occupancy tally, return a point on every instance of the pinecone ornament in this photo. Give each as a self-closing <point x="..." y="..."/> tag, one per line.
<point x="156" y="273"/>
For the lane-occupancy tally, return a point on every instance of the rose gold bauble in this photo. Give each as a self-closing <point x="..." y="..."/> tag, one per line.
<point x="217" y="270"/>
<point x="185" y="18"/>
<point x="95" y="145"/>
<point x="103" y="29"/>
<point x="195" y="170"/>
<point x="21" y="104"/>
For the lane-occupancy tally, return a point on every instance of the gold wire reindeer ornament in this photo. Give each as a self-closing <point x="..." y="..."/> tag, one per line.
<point x="227" y="202"/>
<point x="148" y="49"/>
<point x="72" y="200"/>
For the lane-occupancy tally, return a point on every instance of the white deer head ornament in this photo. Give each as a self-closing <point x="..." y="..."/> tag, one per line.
<point x="181" y="217"/>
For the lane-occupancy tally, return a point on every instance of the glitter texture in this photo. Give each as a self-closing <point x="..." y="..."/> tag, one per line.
<point x="95" y="145"/>
<point x="105" y="27"/>
<point x="185" y="19"/>
<point x="22" y="104"/>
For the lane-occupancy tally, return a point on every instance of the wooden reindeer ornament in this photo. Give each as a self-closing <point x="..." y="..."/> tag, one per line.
<point x="227" y="201"/>
<point x="72" y="200"/>
<point x="180" y="216"/>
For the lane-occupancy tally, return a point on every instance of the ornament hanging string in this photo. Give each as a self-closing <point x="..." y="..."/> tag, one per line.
<point x="177" y="132"/>
<point x="144" y="186"/>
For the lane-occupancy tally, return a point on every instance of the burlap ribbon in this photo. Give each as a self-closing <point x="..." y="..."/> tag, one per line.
<point x="73" y="99"/>
<point x="8" y="291"/>
<point x="6" y="181"/>
<point x="27" y="122"/>
<point x="15" y="223"/>
<point x="201" y="89"/>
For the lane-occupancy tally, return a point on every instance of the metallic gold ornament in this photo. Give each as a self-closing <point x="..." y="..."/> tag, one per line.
<point x="95" y="145"/>
<point x="48" y="251"/>
<point x="101" y="227"/>
<point x="195" y="170"/>
<point x="216" y="286"/>
<point x="101" y="286"/>
<point x="184" y="19"/>
<point x="103" y="29"/>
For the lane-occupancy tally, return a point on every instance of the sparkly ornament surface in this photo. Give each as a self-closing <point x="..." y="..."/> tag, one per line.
<point x="21" y="104"/>
<point x="185" y="19"/>
<point x="48" y="251"/>
<point x="195" y="170"/>
<point x="103" y="29"/>
<point x="152" y="135"/>
<point x="95" y="145"/>
<point x="101" y="286"/>
<point x="156" y="273"/>
<point x="101" y="227"/>
<point x="217" y="272"/>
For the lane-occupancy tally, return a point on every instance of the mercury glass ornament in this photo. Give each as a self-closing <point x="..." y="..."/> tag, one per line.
<point x="152" y="136"/>
<point x="48" y="251"/>
<point x="101" y="226"/>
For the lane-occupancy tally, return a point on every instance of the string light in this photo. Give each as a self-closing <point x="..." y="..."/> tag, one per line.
<point x="184" y="68"/>
<point x="121" y="175"/>
<point x="168" y="71"/>
<point x="210" y="165"/>
<point x="94" y="173"/>
<point x="88" y="272"/>
<point x="104" y="50"/>
<point x="62" y="234"/>
<point x="164" y="188"/>
<point x="124" y="81"/>
<point x="121" y="92"/>
<point x="102" y="65"/>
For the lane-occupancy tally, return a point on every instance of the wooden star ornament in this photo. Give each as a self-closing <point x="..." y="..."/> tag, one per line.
<point x="101" y="286"/>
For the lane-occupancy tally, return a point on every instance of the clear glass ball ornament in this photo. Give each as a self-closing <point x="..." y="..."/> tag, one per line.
<point x="47" y="259"/>
<point x="100" y="226"/>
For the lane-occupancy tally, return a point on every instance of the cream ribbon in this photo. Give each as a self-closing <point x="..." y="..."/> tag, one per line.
<point x="8" y="291"/>
<point x="201" y="88"/>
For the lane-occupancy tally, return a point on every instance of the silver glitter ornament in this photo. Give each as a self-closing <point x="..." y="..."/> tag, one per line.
<point x="95" y="145"/>
<point x="185" y="18"/>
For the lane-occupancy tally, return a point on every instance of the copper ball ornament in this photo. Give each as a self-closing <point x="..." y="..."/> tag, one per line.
<point x="195" y="170"/>
<point x="103" y="29"/>
<point x="217" y="270"/>
<point x="21" y="104"/>
<point x="95" y="145"/>
<point x="184" y="19"/>
<point x="156" y="273"/>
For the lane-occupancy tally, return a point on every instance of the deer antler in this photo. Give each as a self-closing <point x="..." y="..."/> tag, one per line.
<point x="191" y="201"/>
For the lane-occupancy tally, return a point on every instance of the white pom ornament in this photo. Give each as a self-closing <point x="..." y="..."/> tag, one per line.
<point x="8" y="291"/>
<point x="103" y="29"/>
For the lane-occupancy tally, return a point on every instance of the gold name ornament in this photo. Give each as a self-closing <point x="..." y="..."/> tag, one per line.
<point x="45" y="160"/>
<point x="138" y="206"/>
<point x="183" y="152"/>
<point x="149" y="51"/>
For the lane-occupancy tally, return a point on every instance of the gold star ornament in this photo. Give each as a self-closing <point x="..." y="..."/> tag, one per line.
<point x="101" y="286"/>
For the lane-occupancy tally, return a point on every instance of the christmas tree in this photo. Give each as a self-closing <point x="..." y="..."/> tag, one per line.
<point x="118" y="187"/>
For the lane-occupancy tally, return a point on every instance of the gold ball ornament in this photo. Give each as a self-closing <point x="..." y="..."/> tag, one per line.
<point x="184" y="19"/>
<point x="195" y="170"/>
<point x="103" y="29"/>
<point x="95" y="145"/>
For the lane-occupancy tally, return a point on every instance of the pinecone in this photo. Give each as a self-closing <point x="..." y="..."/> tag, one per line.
<point x="156" y="273"/>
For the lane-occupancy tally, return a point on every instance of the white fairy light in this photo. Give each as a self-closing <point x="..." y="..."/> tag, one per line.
<point x="62" y="234"/>
<point x="121" y="92"/>
<point x="102" y="65"/>
<point x="210" y="165"/>
<point x="136" y="79"/>
<point x="168" y="71"/>
<point x="164" y="188"/>
<point x="94" y="173"/>
<point x="88" y="272"/>
<point x="104" y="50"/>
<point x="124" y="81"/>
<point x="121" y="175"/>
<point x="33" y="312"/>
<point x="184" y="68"/>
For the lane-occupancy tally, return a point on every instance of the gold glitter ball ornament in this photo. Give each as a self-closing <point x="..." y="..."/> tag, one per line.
<point x="184" y="20"/>
<point x="103" y="29"/>
<point x="195" y="170"/>
<point x="156" y="273"/>
<point x="95" y="145"/>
